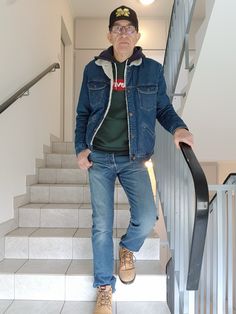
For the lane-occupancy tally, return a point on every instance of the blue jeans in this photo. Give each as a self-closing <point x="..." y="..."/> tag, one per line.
<point x="134" y="178"/>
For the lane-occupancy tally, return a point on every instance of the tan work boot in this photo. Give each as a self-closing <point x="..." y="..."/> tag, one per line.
<point x="104" y="300"/>
<point x="127" y="269"/>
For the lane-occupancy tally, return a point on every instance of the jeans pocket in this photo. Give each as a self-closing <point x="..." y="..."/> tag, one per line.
<point x="97" y="156"/>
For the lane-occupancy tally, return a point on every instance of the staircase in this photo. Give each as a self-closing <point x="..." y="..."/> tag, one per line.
<point x="48" y="259"/>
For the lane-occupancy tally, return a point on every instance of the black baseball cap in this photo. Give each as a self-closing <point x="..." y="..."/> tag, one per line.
<point x="123" y="13"/>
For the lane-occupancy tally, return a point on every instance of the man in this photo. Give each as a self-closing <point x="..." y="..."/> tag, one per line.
<point x="122" y="95"/>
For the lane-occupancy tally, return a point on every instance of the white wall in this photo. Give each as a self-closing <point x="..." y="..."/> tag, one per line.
<point x="210" y="109"/>
<point x="30" y="33"/>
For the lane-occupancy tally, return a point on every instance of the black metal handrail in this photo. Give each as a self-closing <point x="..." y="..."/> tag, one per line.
<point x="201" y="217"/>
<point x="26" y="87"/>
<point x="232" y="174"/>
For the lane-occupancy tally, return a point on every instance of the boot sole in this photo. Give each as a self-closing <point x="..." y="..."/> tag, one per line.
<point x="128" y="282"/>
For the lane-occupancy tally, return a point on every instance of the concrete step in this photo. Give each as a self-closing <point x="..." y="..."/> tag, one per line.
<point x="61" y="175"/>
<point x="77" y="307"/>
<point x="68" y="193"/>
<point x="67" y="215"/>
<point x="71" y="280"/>
<point x="63" y="147"/>
<point x="67" y="243"/>
<point x="56" y="160"/>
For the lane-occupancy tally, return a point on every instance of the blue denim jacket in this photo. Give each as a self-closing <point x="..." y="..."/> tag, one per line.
<point x="146" y="101"/>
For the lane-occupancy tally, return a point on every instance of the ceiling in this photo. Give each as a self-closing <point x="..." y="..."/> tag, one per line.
<point x="103" y="8"/>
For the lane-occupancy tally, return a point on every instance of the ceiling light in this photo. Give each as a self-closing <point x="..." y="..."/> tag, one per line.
<point x="146" y="2"/>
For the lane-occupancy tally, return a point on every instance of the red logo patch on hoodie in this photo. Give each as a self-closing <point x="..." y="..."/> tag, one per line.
<point x="119" y="85"/>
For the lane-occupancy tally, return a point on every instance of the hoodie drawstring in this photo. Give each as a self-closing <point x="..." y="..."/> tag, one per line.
<point x="116" y="75"/>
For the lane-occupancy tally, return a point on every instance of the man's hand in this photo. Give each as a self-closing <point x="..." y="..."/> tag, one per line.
<point x="82" y="159"/>
<point x="183" y="135"/>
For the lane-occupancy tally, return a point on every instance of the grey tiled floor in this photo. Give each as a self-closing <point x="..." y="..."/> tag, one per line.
<point x="60" y="307"/>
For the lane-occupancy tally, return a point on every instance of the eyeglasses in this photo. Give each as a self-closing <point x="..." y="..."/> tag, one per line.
<point x="118" y="29"/>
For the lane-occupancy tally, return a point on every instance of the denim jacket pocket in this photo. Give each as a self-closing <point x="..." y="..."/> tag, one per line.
<point x="147" y="96"/>
<point x="97" y="93"/>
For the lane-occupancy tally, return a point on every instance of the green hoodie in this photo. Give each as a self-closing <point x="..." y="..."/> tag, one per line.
<point x="113" y="133"/>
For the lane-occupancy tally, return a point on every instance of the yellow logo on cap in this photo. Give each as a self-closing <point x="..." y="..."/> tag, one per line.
<point x="122" y="12"/>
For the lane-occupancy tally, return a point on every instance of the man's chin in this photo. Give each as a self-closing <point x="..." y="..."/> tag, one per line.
<point x="125" y="50"/>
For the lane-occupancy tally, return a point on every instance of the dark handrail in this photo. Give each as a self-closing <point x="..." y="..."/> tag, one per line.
<point x="25" y="88"/>
<point x="201" y="217"/>
<point x="225" y="182"/>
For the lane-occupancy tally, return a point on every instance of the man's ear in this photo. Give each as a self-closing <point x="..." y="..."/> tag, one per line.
<point x="109" y="37"/>
<point x="138" y="36"/>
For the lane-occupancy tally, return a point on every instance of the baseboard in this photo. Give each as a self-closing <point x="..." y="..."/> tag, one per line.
<point x="6" y="227"/>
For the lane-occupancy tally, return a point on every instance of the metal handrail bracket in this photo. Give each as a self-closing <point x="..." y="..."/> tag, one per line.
<point x="24" y="91"/>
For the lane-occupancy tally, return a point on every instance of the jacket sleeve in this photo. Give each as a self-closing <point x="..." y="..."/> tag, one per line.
<point x="83" y="112"/>
<point x="165" y="114"/>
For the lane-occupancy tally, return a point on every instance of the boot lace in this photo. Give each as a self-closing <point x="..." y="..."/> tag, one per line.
<point x="104" y="297"/>
<point x="127" y="259"/>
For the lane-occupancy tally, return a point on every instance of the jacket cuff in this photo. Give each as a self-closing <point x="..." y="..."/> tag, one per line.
<point x="80" y="148"/>
<point x="180" y="127"/>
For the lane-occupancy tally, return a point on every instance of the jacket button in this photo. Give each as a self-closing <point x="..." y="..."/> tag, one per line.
<point x="130" y="114"/>
<point x="133" y="157"/>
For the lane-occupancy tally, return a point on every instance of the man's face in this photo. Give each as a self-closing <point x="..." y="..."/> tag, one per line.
<point x="124" y="41"/>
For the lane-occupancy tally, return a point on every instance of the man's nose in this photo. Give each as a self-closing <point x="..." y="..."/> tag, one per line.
<point x="123" y="30"/>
